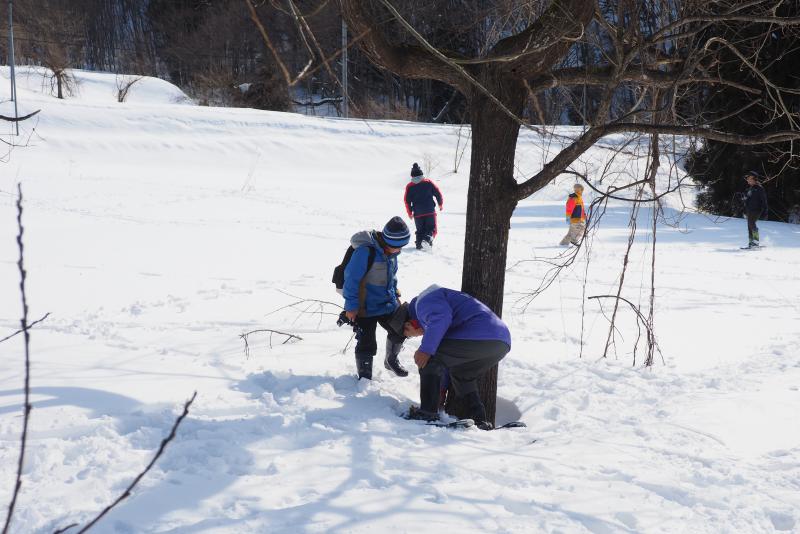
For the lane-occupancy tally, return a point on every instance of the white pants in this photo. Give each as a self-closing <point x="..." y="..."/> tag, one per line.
<point x="574" y="234"/>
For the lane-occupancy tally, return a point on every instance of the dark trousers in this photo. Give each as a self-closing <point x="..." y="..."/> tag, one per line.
<point x="366" y="344"/>
<point x="466" y="361"/>
<point x="752" y="228"/>
<point x="426" y="228"/>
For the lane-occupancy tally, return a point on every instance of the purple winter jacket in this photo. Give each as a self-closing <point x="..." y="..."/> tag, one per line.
<point x="448" y="314"/>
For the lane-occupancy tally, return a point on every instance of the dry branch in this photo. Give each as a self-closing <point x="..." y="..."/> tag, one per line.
<point x="25" y="329"/>
<point x="244" y="337"/>
<point x="34" y="323"/>
<point x="640" y="317"/>
<point x="19" y="119"/>
<point x="125" y="494"/>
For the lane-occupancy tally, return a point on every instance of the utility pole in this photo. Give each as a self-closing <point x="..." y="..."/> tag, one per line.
<point x="11" y="61"/>
<point x="345" y="96"/>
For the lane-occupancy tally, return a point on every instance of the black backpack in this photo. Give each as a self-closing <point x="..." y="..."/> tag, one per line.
<point x="338" y="272"/>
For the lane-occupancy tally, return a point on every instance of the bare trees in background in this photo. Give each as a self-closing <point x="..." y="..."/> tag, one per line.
<point x="719" y="166"/>
<point x="46" y="29"/>
<point x="214" y="52"/>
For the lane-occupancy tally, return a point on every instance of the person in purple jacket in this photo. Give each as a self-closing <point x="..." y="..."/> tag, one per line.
<point x="461" y="335"/>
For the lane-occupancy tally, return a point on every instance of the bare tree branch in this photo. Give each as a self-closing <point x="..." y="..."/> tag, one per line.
<point x="547" y="40"/>
<point x="34" y="323"/>
<point x="418" y="62"/>
<point x="265" y="35"/>
<point x="25" y="329"/>
<point x="125" y="494"/>
<point x="244" y="337"/>
<point x="19" y="119"/>
<point x="601" y="76"/>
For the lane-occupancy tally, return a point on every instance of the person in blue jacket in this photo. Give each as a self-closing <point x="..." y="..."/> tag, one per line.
<point x="371" y="296"/>
<point x="755" y="206"/>
<point x="461" y="335"/>
<point x="420" y="206"/>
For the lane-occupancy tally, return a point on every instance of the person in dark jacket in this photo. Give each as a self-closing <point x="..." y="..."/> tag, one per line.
<point x="460" y="335"/>
<point x="420" y="206"/>
<point x="371" y="296"/>
<point x="755" y="206"/>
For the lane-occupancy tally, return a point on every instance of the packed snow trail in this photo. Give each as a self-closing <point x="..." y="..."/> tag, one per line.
<point x="157" y="232"/>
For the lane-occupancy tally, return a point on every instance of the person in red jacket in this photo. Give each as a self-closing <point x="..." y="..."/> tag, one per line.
<point x="420" y="206"/>
<point x="576" y="217"/>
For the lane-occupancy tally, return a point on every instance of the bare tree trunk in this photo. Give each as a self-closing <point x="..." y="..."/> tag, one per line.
<point x="490" y="203"/>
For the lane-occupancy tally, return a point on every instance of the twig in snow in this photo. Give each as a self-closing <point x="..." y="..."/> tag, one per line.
<point x="141" y="475"/>
<point x="347" y="346"/>
<point x="289" y="337"/>
<point x="34" y="323"/>
<point x="25" y="327"/>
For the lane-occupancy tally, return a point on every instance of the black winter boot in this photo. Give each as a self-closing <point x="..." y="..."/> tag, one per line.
<point x="390" y="361"/>
<point x="364" y="365"/>
<point x="477" y="411"/>
<point x="429" y="399"/>
<point x="417" y="414"/>
<point x="429" y="393"/>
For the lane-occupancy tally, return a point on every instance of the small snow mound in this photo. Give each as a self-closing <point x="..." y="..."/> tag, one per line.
<point x="782" y="521"/>
<point x="94" y="87"/>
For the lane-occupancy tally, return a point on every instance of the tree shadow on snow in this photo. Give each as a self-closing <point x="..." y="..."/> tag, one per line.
<point x="98" y="402"/>
<point x="385" y="466"/>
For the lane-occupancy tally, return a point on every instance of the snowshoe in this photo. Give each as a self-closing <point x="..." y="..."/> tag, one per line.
<point x="512" y="424"/>
<point x="417" y="414"/>
<point x="459" y="423"/>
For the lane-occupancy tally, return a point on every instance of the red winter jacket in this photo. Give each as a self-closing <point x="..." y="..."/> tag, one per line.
<point x="419" y="198"/>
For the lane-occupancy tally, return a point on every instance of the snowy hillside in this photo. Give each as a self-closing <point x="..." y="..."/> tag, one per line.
<point x="156" y="233"/>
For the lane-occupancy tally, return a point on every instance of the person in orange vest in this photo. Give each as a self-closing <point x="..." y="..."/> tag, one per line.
<point x="576" y="217"/>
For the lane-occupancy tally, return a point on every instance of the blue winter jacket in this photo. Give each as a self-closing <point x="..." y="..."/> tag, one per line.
<point x="380" y="282"/>
<point x="448" y="314"/>
<point x="419" y="198"/>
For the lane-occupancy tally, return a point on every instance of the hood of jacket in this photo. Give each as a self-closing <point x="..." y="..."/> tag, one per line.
<point x="412" y="306"/>
<point x="365" y="237"/>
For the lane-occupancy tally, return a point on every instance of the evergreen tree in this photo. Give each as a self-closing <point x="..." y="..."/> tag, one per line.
<point x="720" y="167"/>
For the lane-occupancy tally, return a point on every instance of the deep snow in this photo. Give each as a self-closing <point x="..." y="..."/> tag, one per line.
<point x="158" y="232"/>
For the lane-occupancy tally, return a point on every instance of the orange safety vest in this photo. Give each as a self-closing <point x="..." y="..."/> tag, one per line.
<point x="575" y="210"/>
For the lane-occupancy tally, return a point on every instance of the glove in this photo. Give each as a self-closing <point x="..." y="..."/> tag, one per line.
<point x="344" y="320"/>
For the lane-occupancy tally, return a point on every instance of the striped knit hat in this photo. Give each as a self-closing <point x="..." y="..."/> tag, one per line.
<point x="396" y="233"/>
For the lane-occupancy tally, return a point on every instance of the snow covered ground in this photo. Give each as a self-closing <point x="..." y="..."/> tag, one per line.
<point x="156" y="233"/>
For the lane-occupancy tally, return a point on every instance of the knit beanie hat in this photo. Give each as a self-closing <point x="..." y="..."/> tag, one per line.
<point x="398" y="319"/>
<point x="396" y="233"/>
<point x="416" y="171"/>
